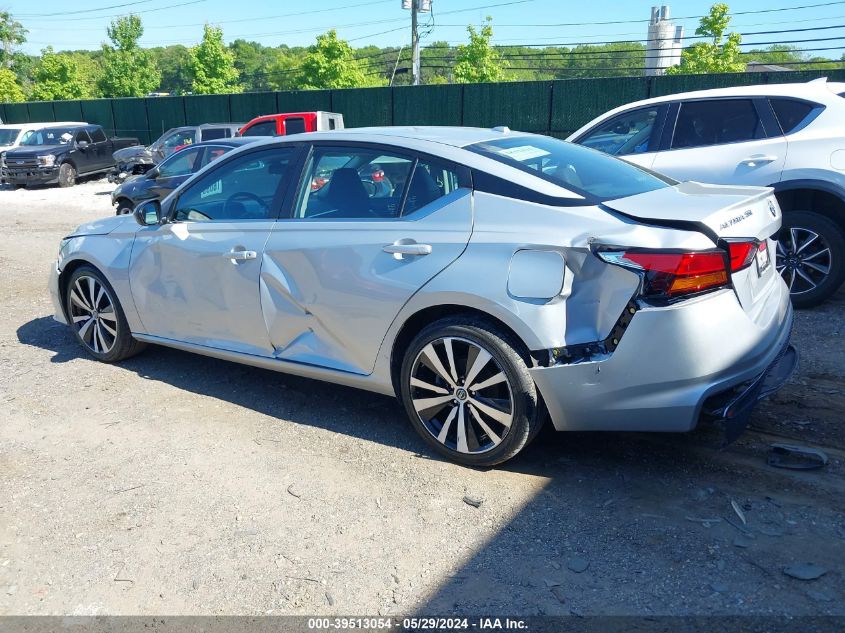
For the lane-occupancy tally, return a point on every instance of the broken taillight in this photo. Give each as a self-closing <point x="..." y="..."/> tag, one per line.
<point x="671" y="274"/>
<point x="742" y="253"/>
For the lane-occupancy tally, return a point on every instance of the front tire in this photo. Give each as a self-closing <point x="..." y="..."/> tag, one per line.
<point x="124" y="207"/>
<point x="96" y="317"/>
<point x="67" y="175"/>
<point x="468" y="393"/>
<point x="810" y="257"/>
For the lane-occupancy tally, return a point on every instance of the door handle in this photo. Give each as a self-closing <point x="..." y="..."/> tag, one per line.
<point x="240" y="256"/>
<point x="398" y="249"/>
<point x="753" y="161"/>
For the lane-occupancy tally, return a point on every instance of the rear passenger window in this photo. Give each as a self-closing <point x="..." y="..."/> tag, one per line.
<point x="716" y="122"/>
<point x="209" y="134"/>
<point x="790" y="113"/>
<point x="265" y="128"/>
<point x="295" y="125"/>
<point x="98" y="135"/>
<point x="358" y="183"/>
<point x="429" y="182"/>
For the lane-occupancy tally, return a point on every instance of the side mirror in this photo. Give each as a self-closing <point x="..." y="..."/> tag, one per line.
<point x="148" y="213"/>
<point x="82" y="144"/>
<point x="153" y="173"/>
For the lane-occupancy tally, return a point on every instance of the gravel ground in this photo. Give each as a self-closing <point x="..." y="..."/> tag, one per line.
<point x="176" y="484"/>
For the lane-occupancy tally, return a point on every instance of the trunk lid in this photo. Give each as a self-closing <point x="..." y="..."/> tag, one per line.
<point x="722" y="213"/>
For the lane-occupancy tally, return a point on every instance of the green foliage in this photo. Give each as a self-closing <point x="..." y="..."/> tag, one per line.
<point x="212" y="65"/>
<point x="478" y="61"/>
<point x="58" y="76"/>
<point x="128" y="70"/>
<point x="10" y="91"/>
<point x="331" y="63"/>
<point x="12" y="34"/>
<point x="174" y="64"/>
<point x="716" y="56"/>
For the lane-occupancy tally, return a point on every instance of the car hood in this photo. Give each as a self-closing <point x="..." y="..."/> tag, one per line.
<point x="34" y="150"/>
<point x="134" y="153"/>
<point x="103" y="226"/>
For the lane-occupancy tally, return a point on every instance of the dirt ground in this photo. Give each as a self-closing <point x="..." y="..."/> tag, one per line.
<point x="177" y="484"/>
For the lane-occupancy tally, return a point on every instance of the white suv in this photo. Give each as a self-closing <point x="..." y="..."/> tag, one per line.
<point x="787" y="136"/>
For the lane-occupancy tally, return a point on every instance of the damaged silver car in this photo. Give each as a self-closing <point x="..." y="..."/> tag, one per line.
<point x="492" y="280"/>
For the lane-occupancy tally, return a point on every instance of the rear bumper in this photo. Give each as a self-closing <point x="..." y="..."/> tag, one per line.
<point x="670" y="361"/>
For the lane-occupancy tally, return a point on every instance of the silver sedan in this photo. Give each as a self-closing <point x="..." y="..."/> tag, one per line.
<point x="488" y="278"/>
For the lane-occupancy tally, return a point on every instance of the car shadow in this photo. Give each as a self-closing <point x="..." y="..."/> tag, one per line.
<point x="614" y="524"/>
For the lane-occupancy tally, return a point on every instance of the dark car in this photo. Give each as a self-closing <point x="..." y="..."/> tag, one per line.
<point x="171" y="172"/>
<point x="60" y="154"/>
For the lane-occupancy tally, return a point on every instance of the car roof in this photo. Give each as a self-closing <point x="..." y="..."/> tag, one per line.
<point x="235" y="141"/>
<point x="453" y="136"/>
<point x="40" y="126"/>
<point x="816" y="90"/>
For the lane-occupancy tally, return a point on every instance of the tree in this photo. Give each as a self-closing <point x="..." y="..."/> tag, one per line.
<point x="58" y="76"/>
<point x="212" y="65"/>
<point x="478" y="61"/>
<point x="719" y="55"/>
<point x="174" y="64"/>
<point x="128" y="69"/>
<point x="331" y="63"/>
<point x="12" y="34"/>
<point x="283" y="73"/>
<point x="10" y="91"/>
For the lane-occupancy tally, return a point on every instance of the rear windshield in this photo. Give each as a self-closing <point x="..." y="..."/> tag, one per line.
<point x="584" y="171"/>
<point x="8" y="136"/>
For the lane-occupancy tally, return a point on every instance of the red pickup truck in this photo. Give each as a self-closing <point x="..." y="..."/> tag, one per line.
<point x="292" y="123"/>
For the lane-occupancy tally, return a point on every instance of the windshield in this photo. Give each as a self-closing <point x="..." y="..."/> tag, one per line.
<point x="587" y="172"/>
<point x="49" y="136"/>
<point x="8" y="136"/>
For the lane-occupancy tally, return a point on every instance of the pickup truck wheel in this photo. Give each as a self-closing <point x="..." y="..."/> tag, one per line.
<point x="67" y="175"/>
<point x="124" y="207"/>
<point x="810" y="257"/>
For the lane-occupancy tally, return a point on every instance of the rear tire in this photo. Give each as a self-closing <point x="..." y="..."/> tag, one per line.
<point x="468" y="393"/>
<point x="96" y="317"/>
<point x="67" y="175"/>
<point x="810" y="257"/>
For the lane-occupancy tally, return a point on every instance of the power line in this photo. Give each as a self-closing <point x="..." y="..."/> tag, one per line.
<point x="118" y="15"/>
<point x="114" y="6"/>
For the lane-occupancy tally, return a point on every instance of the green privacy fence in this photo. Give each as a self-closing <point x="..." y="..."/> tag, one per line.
<point x="549" y="107"/>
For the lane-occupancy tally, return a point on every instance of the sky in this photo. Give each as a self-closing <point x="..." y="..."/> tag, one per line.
<point x="82" y="23"/>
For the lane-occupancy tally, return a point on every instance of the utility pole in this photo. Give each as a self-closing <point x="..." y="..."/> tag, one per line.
<point x="416" y="6"/>
<point x="415" y="42"/>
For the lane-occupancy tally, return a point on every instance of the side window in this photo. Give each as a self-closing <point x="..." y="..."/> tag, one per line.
<point x="98" y="135"/>
<point x="430" y="181"/>
<point x="626" y="133"/>
<point x="295" y="125"/>
<point x="790" y="113"/>
<point x="212" y="133"/>
<point x="180" y="164"/>
<point x="353" y="183"/>
<point x="82" y="135"/>
<point x="715" y="122"/>
<point x="241" y="189"/>
<point x="211" y="154"/>
<point x="265" y="128"/>
<point x="183" y="137"/>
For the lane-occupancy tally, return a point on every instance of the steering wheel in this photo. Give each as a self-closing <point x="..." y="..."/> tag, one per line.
<point x="242" y="195"/>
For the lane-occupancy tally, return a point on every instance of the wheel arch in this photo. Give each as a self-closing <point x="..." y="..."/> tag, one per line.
<point x="819" y="196"/>
<point x="424" y="316"/>
<point x="68" y="270"/>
